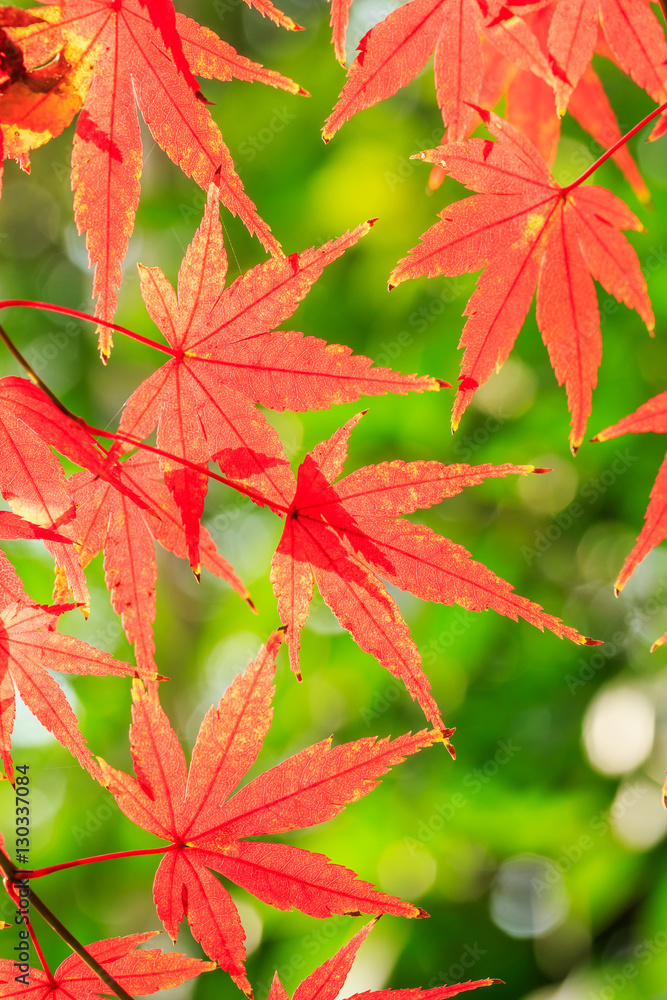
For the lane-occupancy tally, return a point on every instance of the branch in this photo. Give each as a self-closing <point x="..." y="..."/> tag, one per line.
<point x="12" y="875"/>
<point x="32" y="374"/>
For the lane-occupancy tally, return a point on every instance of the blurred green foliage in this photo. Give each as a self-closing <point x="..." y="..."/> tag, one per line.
<point x="536" y="865"/>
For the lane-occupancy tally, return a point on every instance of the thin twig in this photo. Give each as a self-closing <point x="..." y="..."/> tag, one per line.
<point x="32" y="374"/>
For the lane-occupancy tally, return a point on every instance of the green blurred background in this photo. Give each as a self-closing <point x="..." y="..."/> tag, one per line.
<point x="540" y="853"/>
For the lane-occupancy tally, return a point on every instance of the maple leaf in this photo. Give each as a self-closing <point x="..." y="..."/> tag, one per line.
<point x="526" y="230"/>
<point x="397" y="49"/>
<point x="227" y="356"/>
<point x="326" y="982"/>
<point x="35" y="104"/>
<point x="207" y="828"/>
<point x="346" y="534"/>
<point x="108" y="520"/>
<point x="649" y="417"/>
<point x="132" y="65"/>
<point x="530" y="106"/>
<point x="29" y="648"/>
<point x="138" y="970"/>
<point x="634" y="35"/>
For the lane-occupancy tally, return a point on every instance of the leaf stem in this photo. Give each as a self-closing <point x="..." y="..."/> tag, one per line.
<point x="11" y="875"/>
<point x="49" y="307"/>
<point x="612" y="149"/>
<point x="40" y="872"/>
<point x="259" y="498"/>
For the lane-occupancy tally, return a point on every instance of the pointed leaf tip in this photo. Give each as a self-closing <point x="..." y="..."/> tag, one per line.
<point x="482" y="112"/>
<point x="538" y="472"/>
<point x="585" y="641"/>
<point x="421" y="913"/>
<point x="443" y="384"/>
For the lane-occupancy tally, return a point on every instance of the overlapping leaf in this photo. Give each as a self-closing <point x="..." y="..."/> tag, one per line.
<point x="397" y="49"/>
<point x="139" y="971"/>
<point x="530" y="106"/>
<point x="526" y="232"/>
<point x="226" y="356"/>
<point x="649" y="417"/>
<point x="127" y="62"/>
<point x="32" y="480"/>
<point x="12" y="526"/>
<point x="36" y="104"/>
<point x="106" y="519"/>
<point x="29" y="648"/>
<point x="208" y="829"/>
<point x="326" y="982"/>
<point x="635" y="40"/>
<point x="347" y="534"/>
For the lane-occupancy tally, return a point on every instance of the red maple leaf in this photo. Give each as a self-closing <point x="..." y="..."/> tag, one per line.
<point x="326" y="982"/>
<point x="29" y="648"/>
<point x="108" y="520"/>
<point x="526" y="230"/>
<point x="649" y="417"/>
<point x="138" y="970"/>
<point x="128" y="62"/>
<point x="635" y="37"/>
<point x="347" y="534"/>
<point x="208" y="830"/>
<point x="398" y="48"/>
<point x="530" y="106"/>
<point x="226" y="356"/>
